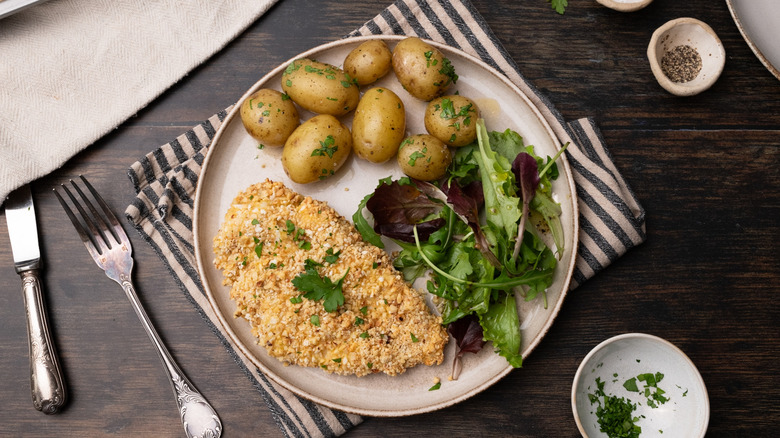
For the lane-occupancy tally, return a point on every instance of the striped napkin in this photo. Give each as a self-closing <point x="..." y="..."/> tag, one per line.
<point x="611" y="218"/>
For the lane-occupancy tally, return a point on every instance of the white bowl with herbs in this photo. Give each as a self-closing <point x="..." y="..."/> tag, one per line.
<point x="686" y="56"/>
<point x="639" y="385"/>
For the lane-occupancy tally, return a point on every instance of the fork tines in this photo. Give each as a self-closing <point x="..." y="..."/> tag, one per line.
<point x="93" y="226"/>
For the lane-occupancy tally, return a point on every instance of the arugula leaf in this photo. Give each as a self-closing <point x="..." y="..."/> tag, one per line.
<point x="501" y="326"/>
<point x="509" y="144"/>
<point x="363" y="227"/>
<point x="501" y="204"/>
<point x="551" y="211"/>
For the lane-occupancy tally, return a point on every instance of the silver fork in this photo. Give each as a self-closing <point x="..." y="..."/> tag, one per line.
<point x="109" y="246"/>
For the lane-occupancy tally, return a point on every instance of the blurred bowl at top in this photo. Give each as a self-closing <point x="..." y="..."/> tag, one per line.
<point x="625" y="5"/>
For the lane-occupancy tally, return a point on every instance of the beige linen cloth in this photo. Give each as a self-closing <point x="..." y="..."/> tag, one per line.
<point x="71" y="71"/>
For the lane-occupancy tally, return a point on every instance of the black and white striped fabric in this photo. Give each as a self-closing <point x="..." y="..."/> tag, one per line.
<point x="611" y="219"/>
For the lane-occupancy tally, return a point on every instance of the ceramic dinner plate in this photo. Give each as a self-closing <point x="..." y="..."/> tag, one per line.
<point x="234" y="162"/>
<point x="758" y="21"/>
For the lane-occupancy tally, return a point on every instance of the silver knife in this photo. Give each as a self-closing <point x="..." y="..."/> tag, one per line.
<point x="48" y="391"/>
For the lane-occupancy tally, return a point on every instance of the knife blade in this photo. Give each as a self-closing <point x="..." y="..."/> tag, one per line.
<point x="48" y="391"/>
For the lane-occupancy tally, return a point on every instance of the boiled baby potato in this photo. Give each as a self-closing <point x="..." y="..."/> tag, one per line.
<point x="316" y="149"/>
<point x="319" y="87"/>
<point x="452" y="119"/>
<point x="379" y="125"/>
<point x="368" y="62"/>
<point x="424" y="157"/>
<point x="422" y="69"/>
<point x="269" y="117"/>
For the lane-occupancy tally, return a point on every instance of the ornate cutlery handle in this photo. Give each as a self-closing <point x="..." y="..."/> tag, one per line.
<point x="199" y="419"/>
<point x="48" y="391"/>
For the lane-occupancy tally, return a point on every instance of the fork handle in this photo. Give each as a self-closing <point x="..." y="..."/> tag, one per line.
<point x="199" y="419"/>
<point x="48" y="391"/>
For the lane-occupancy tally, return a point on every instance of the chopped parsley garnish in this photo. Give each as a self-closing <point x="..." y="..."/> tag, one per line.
<point x="332" y="257"/>
<point x="655" y="395"/>
<point x="447" y="69"/>
<point x="435" y="387"/>
<point x="429" y="61"/>
<point x="315" y="320"/>
<point x="317" y="287"/>
<point x="327" y="147"/>
<point x="298" y="235"/>
<point x="559" y="5"/>
<point x="414" y="338"/>
<point x="417" y="155"/>
<point x="615" y="414"/>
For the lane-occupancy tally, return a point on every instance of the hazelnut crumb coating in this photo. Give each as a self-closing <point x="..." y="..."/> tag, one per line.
<point x="384" y="325"/>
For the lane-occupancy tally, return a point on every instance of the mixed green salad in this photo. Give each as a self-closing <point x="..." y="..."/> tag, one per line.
<point x="478" y="234"/>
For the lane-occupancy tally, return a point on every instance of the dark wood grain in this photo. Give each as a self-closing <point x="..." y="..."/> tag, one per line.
<point x="704" y="167"/>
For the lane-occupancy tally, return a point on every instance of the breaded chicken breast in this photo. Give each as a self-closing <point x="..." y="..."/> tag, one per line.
<point x="287" y="259"/>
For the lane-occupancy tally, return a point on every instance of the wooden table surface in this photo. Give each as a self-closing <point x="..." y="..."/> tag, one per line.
<point x="704" y="167"/>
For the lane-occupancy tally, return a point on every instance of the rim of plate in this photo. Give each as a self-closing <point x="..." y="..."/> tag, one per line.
<point x="756" y="51"/>
<point x="406" y="411"/>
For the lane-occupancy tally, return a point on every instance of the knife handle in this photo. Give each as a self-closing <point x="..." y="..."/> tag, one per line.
<point x="48" y="391"/>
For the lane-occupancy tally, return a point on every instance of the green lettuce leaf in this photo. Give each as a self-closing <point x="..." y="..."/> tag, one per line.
<point x="501" y="326"/>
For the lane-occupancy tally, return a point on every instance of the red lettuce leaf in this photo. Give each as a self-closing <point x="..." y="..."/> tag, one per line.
<point x="526" y="172"/>
<point x="398" y="208"/>
<point x="468" y="336"/>
<point x="466" y="202"/>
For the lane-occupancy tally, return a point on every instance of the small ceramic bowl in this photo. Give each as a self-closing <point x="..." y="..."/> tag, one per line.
<point x="671" y="44"/>
<point x="624" y="363"/>
<point x="625" y="5"/>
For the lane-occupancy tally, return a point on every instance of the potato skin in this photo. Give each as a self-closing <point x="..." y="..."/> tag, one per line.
<point x="368" y="62"/>
<point x="316" y="149"/>
<point x="424" y="157"/>
<point x="379" y="125"/>
<point x="319" y="87"/>
<point x="452" y="119"/>
<point x="422" y="69"/>
<point x="269" y="117"/>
